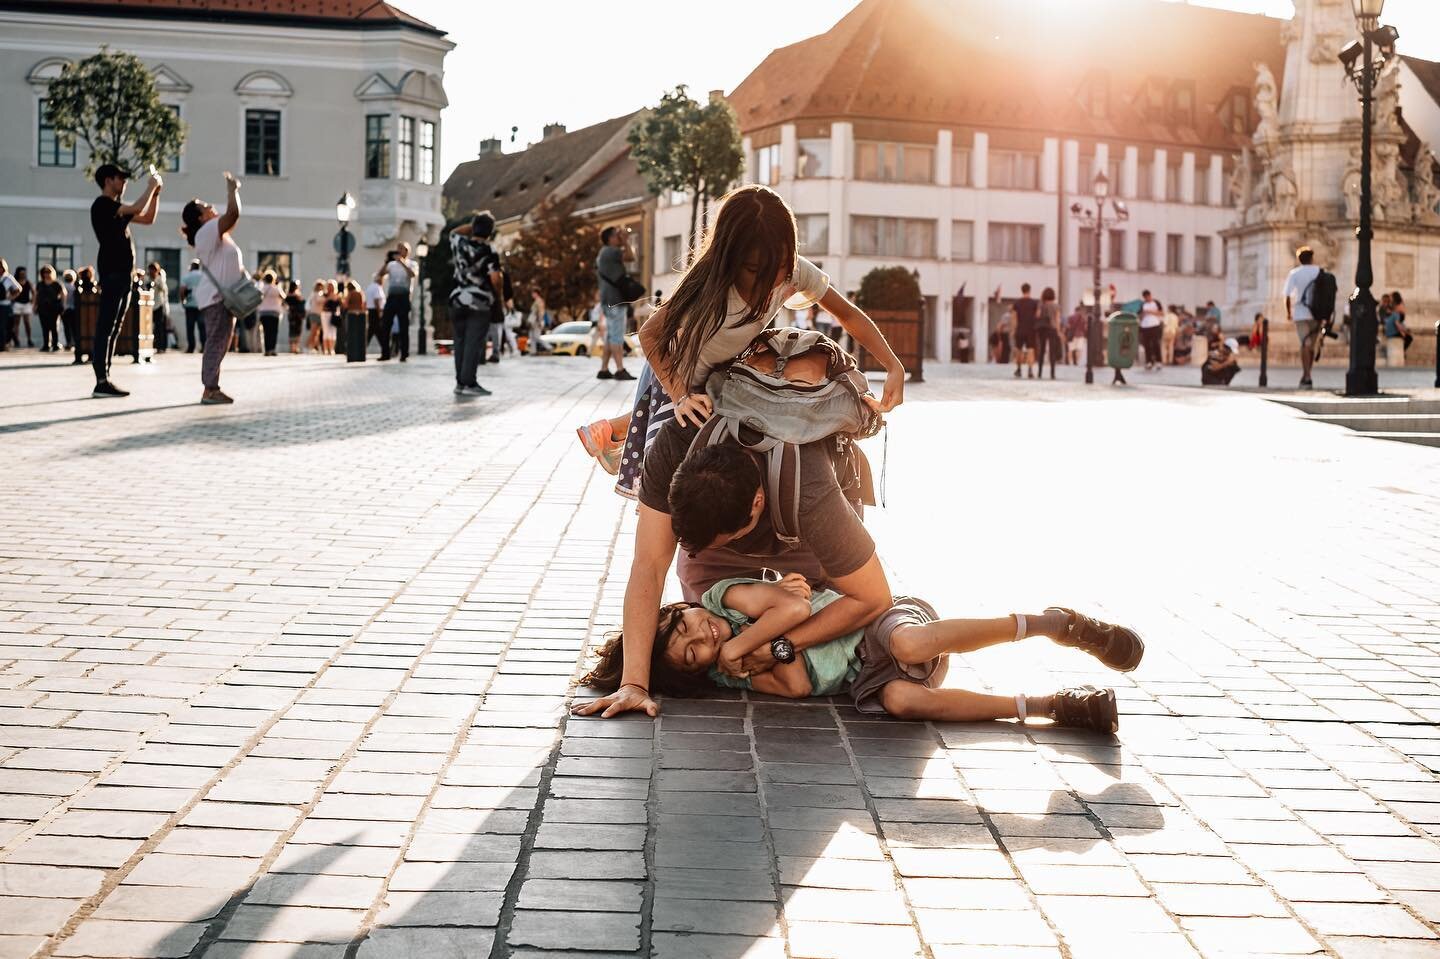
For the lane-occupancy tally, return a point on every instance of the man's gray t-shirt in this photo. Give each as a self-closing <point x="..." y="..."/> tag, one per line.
<point x="830" y="526"/>
<point x="610" y="264"/>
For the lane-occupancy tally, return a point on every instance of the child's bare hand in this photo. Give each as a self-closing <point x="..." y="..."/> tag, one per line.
<point x="728" y="660"/>
<point x="760" y="661"/>
<point x="796" y="584"/>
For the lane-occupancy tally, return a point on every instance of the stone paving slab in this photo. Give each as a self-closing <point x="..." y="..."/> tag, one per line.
<point x="291" y="678"/>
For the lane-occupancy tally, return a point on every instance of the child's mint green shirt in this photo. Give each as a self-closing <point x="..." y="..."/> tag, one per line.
<point x="831" y="666"/>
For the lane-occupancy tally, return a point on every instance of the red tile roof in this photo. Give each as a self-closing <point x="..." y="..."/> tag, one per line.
<point x="361" y="13"/>
<point x="1015" y="65"/>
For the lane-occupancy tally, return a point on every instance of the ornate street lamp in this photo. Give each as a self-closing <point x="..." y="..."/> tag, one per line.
<point x="1096" y="221"/>
<point x="422" y="250"/>
<point x="344" y="242"/>
<point x="1363" y="65"/>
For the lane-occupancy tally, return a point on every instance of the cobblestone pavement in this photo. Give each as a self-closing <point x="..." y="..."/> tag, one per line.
<point x="290" y="679"/>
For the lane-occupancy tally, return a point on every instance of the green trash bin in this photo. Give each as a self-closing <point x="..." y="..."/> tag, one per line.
<point x="1122" y="342"/>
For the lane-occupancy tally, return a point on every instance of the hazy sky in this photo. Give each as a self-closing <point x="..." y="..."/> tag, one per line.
<point x="533" y="62"/>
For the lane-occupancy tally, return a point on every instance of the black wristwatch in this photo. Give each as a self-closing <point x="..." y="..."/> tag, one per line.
<point x="782" y="649"/>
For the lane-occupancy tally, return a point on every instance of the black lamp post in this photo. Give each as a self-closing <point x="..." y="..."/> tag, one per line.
<point x="344" y="242"/>
<point x="422" y="250"/>
<point x="1361" y="63"/>
<point x="1096" y="221"/>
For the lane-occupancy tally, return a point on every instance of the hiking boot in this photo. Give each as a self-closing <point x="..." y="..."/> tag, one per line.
<point x="1085" y="707"/>
<point x="1118" y="647"/>
<point x="610" y="458"/>
<point x="624" y="375"/>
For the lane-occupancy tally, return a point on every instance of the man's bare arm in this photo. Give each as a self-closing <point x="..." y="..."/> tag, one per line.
<point x="654" y="552"/>
<point x="865" y="594"/>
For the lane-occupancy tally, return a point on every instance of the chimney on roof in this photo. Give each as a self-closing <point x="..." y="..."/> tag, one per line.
<point x="716" y="95"/>
<point x="552" y="130"/>
<point x="490" y="145"/>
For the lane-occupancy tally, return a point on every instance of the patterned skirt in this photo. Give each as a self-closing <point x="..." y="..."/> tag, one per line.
<point x="651" y="411"/>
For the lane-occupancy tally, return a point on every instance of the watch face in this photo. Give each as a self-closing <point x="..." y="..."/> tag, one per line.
<point x="783" y="651"/>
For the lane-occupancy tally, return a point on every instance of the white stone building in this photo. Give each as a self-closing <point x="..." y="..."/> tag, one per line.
<point x="304" y="100"/>
<point x="952" y="137"/>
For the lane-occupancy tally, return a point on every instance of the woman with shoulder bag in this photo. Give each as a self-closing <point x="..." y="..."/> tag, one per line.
<point x="222" y="292"/>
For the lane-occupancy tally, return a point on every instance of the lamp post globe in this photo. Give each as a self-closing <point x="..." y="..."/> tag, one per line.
<point x="1367" y="12"/>
<point x="1102" y="185"/>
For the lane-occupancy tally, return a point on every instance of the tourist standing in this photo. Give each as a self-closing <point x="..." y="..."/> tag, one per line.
<point x="1152" y="322"/>
<point x="1397" y="334"/>
<point x="1075" y="326"/>
<point x="23" y="306"/>
<point x="110" y="219"/>
<point x="49" y="304"/>
<point x="398" y="273"/>
<point x="294" y="315"/>
<point x="1047" y="330"/>
<point x="355" y="314"/>
<point x="478" y="282"/>
<point x="334" y="310"/>
<point x="610" y="269"/>
<point x="9" y="289"/>
<point x="374" y="313"/>
<point x="272" y="302"/>
<point x="68" y="315"/>
<point x="222" y="266"/>
<point x="194" y="326"/>
<point x="315" y="318"/>
<point x="1026" y="310"/>
<point x="1298" y="286"/>
<point x="160" y="306"/>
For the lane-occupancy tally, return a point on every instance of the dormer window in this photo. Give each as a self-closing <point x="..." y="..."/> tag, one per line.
<point x="1182" y="104"/>
<point x="1094" y="96"/>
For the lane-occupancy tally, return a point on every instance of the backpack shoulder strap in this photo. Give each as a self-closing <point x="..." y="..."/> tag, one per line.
<point x="783" y="492"/>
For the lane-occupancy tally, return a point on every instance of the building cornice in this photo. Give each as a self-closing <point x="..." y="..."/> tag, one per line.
<point x="107" y="12"/>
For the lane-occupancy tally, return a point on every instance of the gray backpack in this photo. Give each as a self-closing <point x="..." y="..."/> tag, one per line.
<point x="790" y="387"/>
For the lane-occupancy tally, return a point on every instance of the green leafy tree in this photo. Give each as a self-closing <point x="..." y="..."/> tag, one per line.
<point x="888" y="288"/>
<point x="688" y="147"/>
<point x="109" y="102"/>
<point x="555" y="254"/>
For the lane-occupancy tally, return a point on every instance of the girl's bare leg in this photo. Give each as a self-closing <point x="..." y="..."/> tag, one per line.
<point x="907" y="700"/>
<point x="921" y="642"/>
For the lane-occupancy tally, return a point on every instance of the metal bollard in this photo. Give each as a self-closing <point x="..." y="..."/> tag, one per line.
<point x="1265" y="352"/>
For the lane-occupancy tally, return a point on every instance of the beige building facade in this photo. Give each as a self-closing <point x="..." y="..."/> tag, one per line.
<point x="302" y="106"/>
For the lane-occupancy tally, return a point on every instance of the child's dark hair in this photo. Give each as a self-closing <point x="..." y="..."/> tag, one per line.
<point x="664" y="678"/>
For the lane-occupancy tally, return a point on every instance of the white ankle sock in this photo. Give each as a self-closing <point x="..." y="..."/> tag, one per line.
<point x="1021" y="630"/>
<point x="1020" y="710"/>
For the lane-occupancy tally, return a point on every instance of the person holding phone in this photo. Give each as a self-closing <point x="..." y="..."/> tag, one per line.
<point x="111" y="218"/>
<point x="222" y="266"/>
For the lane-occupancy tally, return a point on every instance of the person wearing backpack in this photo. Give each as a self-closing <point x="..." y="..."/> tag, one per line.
<point x="1300" y="308"/>
<point x="222" y="267"/>
<point x="746" y="271"/>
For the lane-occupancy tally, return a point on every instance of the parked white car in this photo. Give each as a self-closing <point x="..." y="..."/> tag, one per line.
<point x="573" y="339"/>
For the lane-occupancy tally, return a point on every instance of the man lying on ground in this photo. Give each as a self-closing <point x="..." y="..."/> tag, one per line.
<point x="894" y="665"/>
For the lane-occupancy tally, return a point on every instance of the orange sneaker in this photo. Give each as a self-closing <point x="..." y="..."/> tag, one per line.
<point x="596" y="437"/>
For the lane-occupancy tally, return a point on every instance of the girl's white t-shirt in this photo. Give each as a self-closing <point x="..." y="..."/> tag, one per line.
<point x="221" y="257"/>
<point x="317" y="302"/>
<point x="800" y="292"/>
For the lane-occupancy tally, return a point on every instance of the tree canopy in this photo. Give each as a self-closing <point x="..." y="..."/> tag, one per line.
<point x="109" y="102"/>
<point x="888" y="288"/>
<point x="555" y="254"/>
<point x="688" y="147"/>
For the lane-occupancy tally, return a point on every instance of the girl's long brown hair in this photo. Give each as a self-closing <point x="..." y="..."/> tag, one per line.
<point x="753" y="223"/>
<point x="664" y="678"/>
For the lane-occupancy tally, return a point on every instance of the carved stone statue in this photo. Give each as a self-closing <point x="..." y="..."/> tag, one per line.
<point x="1387" y="98"/>
<point x="1389" y="186"/>
<point x="1427" y="194"/>
<point x="1267" y="99"/>
<point x="1350" y="185"/>
<point x="1242" y="181"/>
<point x="1326" y="247"/>
<point x="1284" y="195"/>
